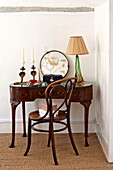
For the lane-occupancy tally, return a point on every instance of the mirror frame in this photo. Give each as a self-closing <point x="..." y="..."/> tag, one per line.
<point x="51" y="52"/>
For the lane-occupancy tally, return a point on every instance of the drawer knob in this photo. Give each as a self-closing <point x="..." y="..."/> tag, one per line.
<point x="41" y="93"/>
<point x="60" y="93"/>
<point x="23" y="95"/>
<point x="77" y="96"/>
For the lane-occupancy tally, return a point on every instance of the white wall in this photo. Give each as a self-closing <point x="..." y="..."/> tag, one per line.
<point x="51" y="3"/>
<point x="42" y="31"/>
<point x="110" y="81"/>
<point x="104" y="51"/>
<point x="102" y="56"/>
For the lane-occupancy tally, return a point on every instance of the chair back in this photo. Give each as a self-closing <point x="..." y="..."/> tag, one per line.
<point x="60" y="89"/>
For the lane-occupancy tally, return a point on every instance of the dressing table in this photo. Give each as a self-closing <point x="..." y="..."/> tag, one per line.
<point x="20" y="93"/>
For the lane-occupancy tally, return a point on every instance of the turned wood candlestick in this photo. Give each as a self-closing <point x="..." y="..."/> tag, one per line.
<point x="33" y="73"/>
<point x="22" y="74"/>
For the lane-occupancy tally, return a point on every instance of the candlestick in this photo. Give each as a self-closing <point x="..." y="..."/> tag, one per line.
<point x="22" y="74"/>
<point x="33" y="73"/>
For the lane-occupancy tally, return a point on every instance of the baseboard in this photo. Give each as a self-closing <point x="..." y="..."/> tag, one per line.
<point x="77" y="126"/>
<point x="102" y="141"/>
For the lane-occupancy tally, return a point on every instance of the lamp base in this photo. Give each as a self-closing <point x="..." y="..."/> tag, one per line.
<point x="78" y="74"/>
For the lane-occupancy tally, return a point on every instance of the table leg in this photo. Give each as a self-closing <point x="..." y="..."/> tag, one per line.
<point x="86" y="113"/>
<point x="24" y="121"/>
<point x="13" y="107"/>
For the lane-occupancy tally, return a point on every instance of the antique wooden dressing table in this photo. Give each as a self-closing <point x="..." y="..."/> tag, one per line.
<point x="22" y="93"/>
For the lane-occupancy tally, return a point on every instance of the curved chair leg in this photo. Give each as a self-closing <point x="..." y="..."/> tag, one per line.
<point x="29" y="137"/>
<point x="49" y="136"/>
<point x="53" y="145"/>
<point x="71" y="136"/>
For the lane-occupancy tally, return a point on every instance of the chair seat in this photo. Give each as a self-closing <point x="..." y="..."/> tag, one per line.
<point x="35" y="115"/>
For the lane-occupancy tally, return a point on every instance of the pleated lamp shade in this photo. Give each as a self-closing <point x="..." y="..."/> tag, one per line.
<point x="76" y="46"/>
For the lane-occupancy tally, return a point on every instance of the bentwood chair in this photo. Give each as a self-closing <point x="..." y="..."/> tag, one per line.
<point x="64" y="89"/>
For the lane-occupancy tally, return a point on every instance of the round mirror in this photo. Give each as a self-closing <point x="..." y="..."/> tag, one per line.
<point x="54" y="62"/>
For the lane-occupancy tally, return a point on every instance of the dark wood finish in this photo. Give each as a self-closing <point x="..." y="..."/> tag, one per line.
<point x="86" y="106"/>
<point x="82" y="94"/>
<point x="24" y="121"/>
<point x="14" y="104"/>
<point x="65" y="92"/>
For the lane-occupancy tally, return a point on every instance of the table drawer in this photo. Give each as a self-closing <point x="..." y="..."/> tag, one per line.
<point x="39" y="92"/>
<point x="24" y="94"/>
<point x="82" y="94"/>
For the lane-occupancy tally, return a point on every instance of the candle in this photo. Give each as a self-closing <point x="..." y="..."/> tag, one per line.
<point x="33" y="61"/>
<point x="23" y="62"/>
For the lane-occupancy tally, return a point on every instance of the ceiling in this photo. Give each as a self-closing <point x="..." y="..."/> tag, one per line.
<point x="52" y="3"/>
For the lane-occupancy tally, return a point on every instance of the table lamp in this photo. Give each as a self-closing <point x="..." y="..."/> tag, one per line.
<point x="76" y="46"/>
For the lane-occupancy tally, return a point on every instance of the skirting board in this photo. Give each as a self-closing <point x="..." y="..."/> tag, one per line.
<point x="102" y="141"/>
<point x="77" y="126"/>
